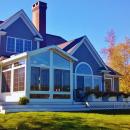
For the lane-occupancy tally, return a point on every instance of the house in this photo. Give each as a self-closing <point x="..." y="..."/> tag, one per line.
<point x="48" y="68"/>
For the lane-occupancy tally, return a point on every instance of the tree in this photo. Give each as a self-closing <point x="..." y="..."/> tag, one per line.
<point x="118" y="58"/>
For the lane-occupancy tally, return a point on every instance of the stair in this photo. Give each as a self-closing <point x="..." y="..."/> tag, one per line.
<point x="7" y="108"/>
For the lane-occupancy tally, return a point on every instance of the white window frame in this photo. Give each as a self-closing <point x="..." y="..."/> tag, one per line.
<point x="15" y="44"/>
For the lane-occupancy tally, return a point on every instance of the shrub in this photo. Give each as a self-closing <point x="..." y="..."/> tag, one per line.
<point x="23" y="101"/>
<point x="98" y="94"/>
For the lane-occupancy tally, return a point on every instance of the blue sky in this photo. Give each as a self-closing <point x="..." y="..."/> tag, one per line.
<point x="74" y="18"/>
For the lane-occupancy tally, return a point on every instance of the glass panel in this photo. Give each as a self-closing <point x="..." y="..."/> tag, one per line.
<point x="41" y="59"/>
<point x="44" y="85"/>
<point x="19" y="79"/>
<point x="61" y="62"/>
<point x="62" y="80"/>
<point x="10" y="44"/>
<point x="61" y="96"/>
<point x="83" y="69"/>
<point x="97" y="83"/>
<point x="20" y="62"/>
<point x="57" y="80"/>
<point x="80" y="82"/>
<point x="88" y="83"/>
<point x="6" y="81"/>
<point x="19" y="45"/>
<point x="108" y="85"/>
<point x="27" y="45"/>
<point x="39" y="96"/>
<point x="35" y="78"/>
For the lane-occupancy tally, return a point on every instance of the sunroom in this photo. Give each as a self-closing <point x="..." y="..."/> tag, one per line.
<point x="43" y="75"/>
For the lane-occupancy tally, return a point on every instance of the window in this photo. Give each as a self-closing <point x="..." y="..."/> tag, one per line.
<point x="84" y="82"/>
<point x="61" y="96"/>
<point x="88" y="82"/>
<point x="61" y="80"/>
<point x="44" y="80"/>
<point x="19" y="79"/>
<point x="35" y="78"/>
<point x="27" y="45"/>
<point x="10" y="44"/>
<point x="18" y="45"/>
<point x="38" y="59"/>
<point x="39" y="96"/>
<point x="59" y="61"/>
<point x="6" y="81"/>
<point x="84" y="68"/>
<point x="39" y="79"/>
<point x="97" y="83"/>
<point x="108" y="84"/>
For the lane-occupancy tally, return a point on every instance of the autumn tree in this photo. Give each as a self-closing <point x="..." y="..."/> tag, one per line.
<point x="118" y="58"/>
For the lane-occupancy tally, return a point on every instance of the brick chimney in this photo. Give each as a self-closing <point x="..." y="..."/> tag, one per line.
<point x="39" y="16"/>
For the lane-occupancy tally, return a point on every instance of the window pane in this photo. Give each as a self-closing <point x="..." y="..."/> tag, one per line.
<point x="57" y="80"/>
<point x="97" y="83"/>
<point x="19" y="45"/>
<point x="61" y="80"/>
<point x="6" y="81"/>
<point x="61" y="62"/>
<point x="41" y="59"/>
<point x="44" y="84"/>
<point x="108" y="85"/>
<point x="10" y="44"/>
<point x="80" y="82"/>
<point x="38" y="96"/>
<point x="66" y="80"/>
<point x="35" y="78"/>
<point x="61" y="96"/>
<point x="27" y="45"/>
<point x="88" y="83"/>
<point x="19" y="79"/>
<point x="84" y="69"/>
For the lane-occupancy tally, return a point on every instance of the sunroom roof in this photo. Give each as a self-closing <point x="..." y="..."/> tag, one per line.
<point x="25" y="54"/>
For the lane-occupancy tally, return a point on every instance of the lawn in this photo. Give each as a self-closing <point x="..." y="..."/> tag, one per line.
<point x="64" y="121"/>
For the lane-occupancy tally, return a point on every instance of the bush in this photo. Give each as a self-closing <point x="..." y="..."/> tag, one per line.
<point x="23" y="101"/>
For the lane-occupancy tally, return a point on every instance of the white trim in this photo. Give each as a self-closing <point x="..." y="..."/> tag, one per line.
<point x="21" y="14"/>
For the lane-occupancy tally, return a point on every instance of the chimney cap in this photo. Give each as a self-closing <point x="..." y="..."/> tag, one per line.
<point x="39" y="3"/>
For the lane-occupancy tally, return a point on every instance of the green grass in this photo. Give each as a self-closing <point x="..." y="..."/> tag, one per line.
<point x="65" y="121"/>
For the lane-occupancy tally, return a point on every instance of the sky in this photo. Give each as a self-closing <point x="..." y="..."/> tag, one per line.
<point x="74" y="18"/>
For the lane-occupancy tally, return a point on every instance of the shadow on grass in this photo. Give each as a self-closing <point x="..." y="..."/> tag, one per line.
<point x="111" y="112"/>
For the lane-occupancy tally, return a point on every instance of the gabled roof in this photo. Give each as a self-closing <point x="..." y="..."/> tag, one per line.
<point x="20" y="14"/>
<point x="53" y="39"/>
<point x="73" y="45"/>
<point x="113" y="72"/>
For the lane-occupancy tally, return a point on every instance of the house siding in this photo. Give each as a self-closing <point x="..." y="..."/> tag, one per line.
<point x="84" y="55"/>
<point x="17" y="29"/>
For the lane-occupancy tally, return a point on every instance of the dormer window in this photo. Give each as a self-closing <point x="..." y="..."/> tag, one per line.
<point x="18" y="45"/>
